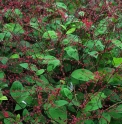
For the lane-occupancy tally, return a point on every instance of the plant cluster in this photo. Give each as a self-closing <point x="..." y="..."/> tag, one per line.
<point x="60" y="62"/>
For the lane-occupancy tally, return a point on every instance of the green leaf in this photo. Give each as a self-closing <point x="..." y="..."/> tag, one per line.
<point x="15" y="28"/>
<point x="94" y="54"/>
<point x="51" y="61"/>
<point x="116" y="112"/>
<point x="117" y="62"/>
<point x="33" y="67"/>
<point x="2" y="35"/>
<point x="105" y="119"/>
<point x="50" y="35"/>
<point x="5" y="36"/>
<point x="95" y="102"/>
<point x="34" y="23"/>
<point x="17" y="118"/>
<point x="113" y="95"/>
<point x="9" y="121"/>
<point x="14" y="56"/>
<point x="61" y="5"/>
<point x="94" y="45"/>
<point x="117" y="43"/>
<point x="24" y="65"/>
<point x="70" y="30"/>
<point x="26" y="114"/>
<point x="17" y="92"/>
<point x="52" y="64"/>
<point x="58" y="114"/>
<point x="8" y="13"/>
<point x="39" y="72"/>
<point x="72" y="52"/>
<point x="2" y="75"/>
<point x="67" y="93"/>
<point x="18" y="12"/>
<point x="3" y="98"/>
<point x="3" y="60"/>
<point x="116" y="80"/>
<point x="60" y="103"/>
<point x="63" y="26"/>
<point x="20" y="106"/>
<point x="25" y="44"/>
<point x="102" y="27"/>
<point x="82" y="74"/>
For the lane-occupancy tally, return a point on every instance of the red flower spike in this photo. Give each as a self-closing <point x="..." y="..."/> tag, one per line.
<point x="6" y="115"/>
<point x="87" y="23"/>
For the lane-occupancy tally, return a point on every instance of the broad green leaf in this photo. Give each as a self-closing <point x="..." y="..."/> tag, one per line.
<point x="105" y="119"/>
<point x="18" y="12"/>
<point x="94" y="54"/>
<point x="3" y="84"/>
<point x="116" y="80"/>
<point x="9" y="121"/>
<point x="25" y="44"/>
<point x="52" y="64"/>
<point x="93" y="45"/>
<point x="29" y="79"/>
<point x="17" y="92"/>
<point x="15" y="28"/>
<point x="3" y="60"/>
<point x="24" y="65"/>
<point x="72" y="52"/>
<point x="8" y="13"/>
<point x="14" y="56"/>
<point x="39" y="72"/>
<point x="3" y="98"/>
<point x="67" y="93"/>
<point x="95" y="102"/>
<point x="114" y="97"/>
<point x="117" y="62"/>
<point x="82" y="74"/>
<point x="58" y="114"/>
<point x="70" y="30"/>
<point x="70" y="38"/>
<point x="116" y="112"/>
<point x="20" y="106"/>
<point x="43" y="81"/>
<point x="73" y="38"/>
<point x="98" y="44"/>
<point x="32" y="67"/>
<point x="61" y="103"/>
<point x="75" y="102"/>
<point x="17" y="69"/>
<point x="5" y="36"/>
<point x="34" y="23"/>
<point x="61" y="5"/>
<point x="101" y="30"/>
<point x="50" y="35"/>
<point x="26" y="114"/>
<point x="1" y="75"/>
<point x="101" y="27"/>
<point x="2" y="35"/>
<point x="117" y="43"/>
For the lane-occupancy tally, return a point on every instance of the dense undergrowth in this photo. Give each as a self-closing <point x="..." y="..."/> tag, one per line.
<point x="60" y="62"/>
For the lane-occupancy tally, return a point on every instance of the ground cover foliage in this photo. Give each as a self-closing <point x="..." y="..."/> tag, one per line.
<point x="60" y="62"/>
